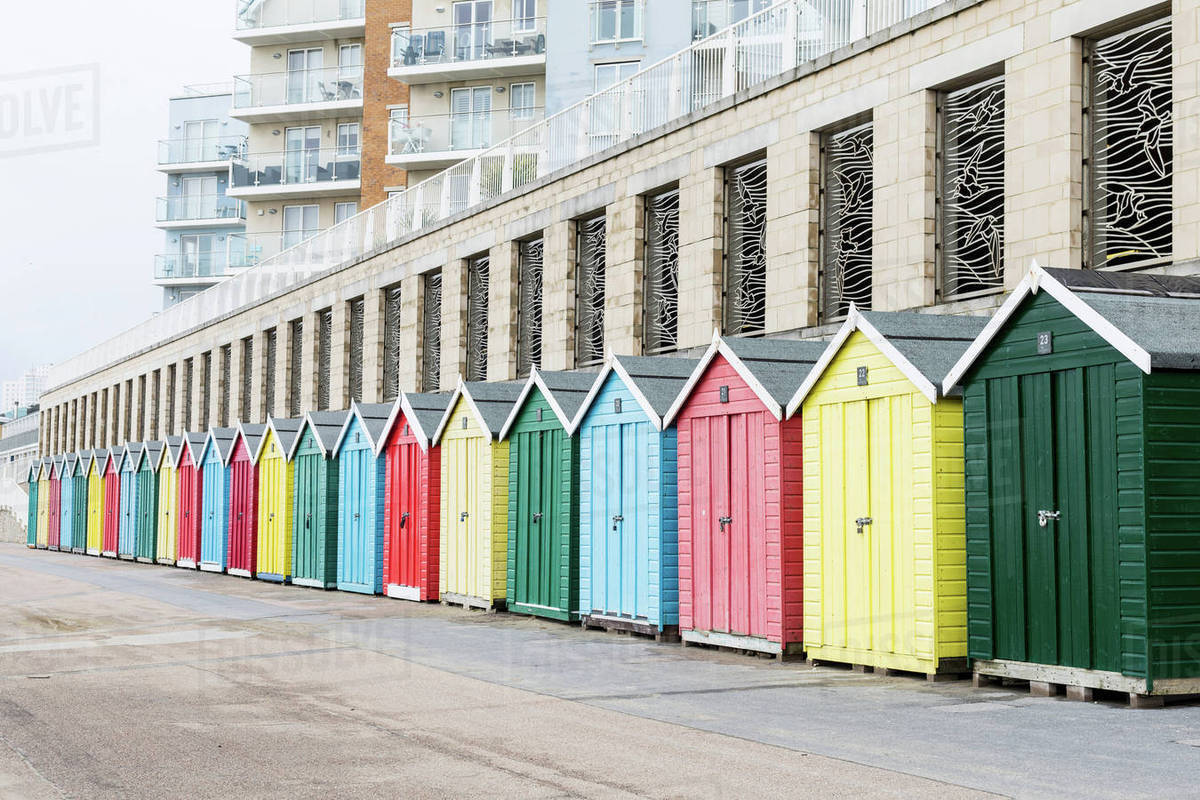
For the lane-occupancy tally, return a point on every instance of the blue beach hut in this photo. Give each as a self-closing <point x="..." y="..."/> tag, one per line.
<point x="214" y="503"/>
<point x="361" y="478"/>
<point x="131" y="454"/>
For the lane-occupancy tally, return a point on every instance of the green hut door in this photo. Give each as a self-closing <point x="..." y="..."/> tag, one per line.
<point x="1054" y="517"/>
<point x="539" y="563"/>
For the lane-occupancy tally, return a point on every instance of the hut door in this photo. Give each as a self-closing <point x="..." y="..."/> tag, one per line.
<point x="536" y="574"/>
<point x="462" y="549"/>
<point x="621" y="524"/>
<point x="305" y="520"/>
<point x="406" y="561"/>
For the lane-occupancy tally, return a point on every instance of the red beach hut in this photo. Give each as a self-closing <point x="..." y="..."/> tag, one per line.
<point x="243" y="500"/>
<point x="112" y="502"/>
<point x="190" y="498"/>
<point x="740" y="503"/>
<point x="412" y="497"/>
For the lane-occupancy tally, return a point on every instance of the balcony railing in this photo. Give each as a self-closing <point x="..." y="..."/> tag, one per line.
<point x="255" y="14"/>
<point x="440" y="133"/>
<point x="296" y="168"/>
<point x="710" y="16"/>
<point x="459" y="44"/>
<point x="197" y="151"/>
<point x="183" y="208"/>
<point x="329" y="85"/>
<point x="214" y="264"/>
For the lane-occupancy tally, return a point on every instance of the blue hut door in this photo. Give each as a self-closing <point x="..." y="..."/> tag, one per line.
<point x="356" y="558"/>
<point x="619" y="539"/>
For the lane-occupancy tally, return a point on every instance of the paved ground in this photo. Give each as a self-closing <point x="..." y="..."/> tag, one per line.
<point x="125" y="680"/>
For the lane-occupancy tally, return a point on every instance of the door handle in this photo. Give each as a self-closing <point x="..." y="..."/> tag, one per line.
<point x="1045" y="517"/>
<point x="617" y="518"/>
<point x="403" y="519"/>
<point x="462" y="517"/>
<point x="537" y="516"/>
<point x="861" y="522"/>
<point x="725" y="521"/>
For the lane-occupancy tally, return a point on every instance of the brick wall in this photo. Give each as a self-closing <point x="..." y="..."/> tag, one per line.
<point x="379" y="92"/>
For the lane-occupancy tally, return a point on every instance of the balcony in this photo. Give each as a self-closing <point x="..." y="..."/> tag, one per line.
<point x="199" y="155"/>
<point x="171" y="269"/>
<point x="200" y="211"/>
<point x="262" y="22"/>
<point x="442" y="140"/>
<point x="496" y="49"/>
<point x="307" y="94"/>
<point x="296" y="173"/>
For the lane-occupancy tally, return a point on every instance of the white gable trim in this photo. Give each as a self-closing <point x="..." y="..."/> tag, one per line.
<point x="721" y="347"/>
<point x="393" y="417"/>
<point x="611" y="366"/>
<point x="693" y="379"/>
<point x="827" y="356"/>
<point x="354" y="414"/>
<point x="535" y="379"/>
<point x="461" y="391"/>
<point x="605" y="371"/>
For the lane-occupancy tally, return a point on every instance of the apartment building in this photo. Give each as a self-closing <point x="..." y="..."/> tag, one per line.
<point x="302" y="100"/>
<point x="203" y="227"/>
<point x="25" y="390"/>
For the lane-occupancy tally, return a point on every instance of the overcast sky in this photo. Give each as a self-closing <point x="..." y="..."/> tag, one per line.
<point x="78" y="237"/>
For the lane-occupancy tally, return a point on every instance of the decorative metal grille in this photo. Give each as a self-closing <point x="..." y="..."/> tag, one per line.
<point x="590" y="236"/>
<point x="272" y="345"/>
<point x="431" y="340"/>
<point x="127" y="416"/>
<point x="247" y="379"/>
<point x="226" y="389"/>
<point x="169" y="429"/>
<point x="529" y="306"/>
<point x="661" y="293"/>
<point x="972" y="189"/>
<point x="324" y="358"/>
<point x="295" y="366"/>
<point x="205" y="391"/>
<point x="391" y="344"/>
<point x="155" y="403"/>
<point x="478" y="282"/>
<point x="141" y="416"/>
<point x="847" y="227"/>
<point x="746" y="255"/>
<point x="1130" y="147"/>
<point x="188" y="376"/>
<point x="356" y="349"/>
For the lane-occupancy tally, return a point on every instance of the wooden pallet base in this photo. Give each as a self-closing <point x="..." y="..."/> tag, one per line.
<point x="185" y="563"/>
<point x="126" y="557"/>
<point x="312" y="583"/>
<point x="467" y="601"/>
<point x="108" y="554"/>
<point x="79" y="550"/>
<point x="211" y="568"/>
<point x="271" y="577"/>
<point x="949" y="669"/>
<point x="52" y="547"/>
<point x="166" y="562"/>
<point x="750" y="645"/>
<point x="141" y="560"/>
<point x="668" y="633"/>
<point x="545" y="612"/>
<point x="1045" y="680"/>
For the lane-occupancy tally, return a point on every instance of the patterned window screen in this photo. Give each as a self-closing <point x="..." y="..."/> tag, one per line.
<point x="589" y="291"/>
<point x="355" y="380"/>
<point x="847" y="200"/>
<point x="141" y="417"/>
<point x="661" y="291"/>
<point x="745" y="302"/>
<point x="1128" y="127"/>
<point x="478" y="282"/>
<point x="324" y="357"/>
<point x="188" y="377"/>
<point x="272" y="345"/>
<point x="391" y="344"/>
<point x="431" y="334"/>
<point x="226" y="390"/>
<point x="169" y="428"/>
<point x="295" y="366"/>
<point x="248" y="380"/>
<point x="971" y="191"/>
<point x="529" y="306"/>
<point x="127" y="413"/>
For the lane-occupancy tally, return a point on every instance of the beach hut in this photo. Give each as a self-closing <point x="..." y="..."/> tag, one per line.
<point x="79" y="502"/>
<point x="112" y="502"/>
<point x="66" y="498"/>
<point x="45" y="468"/>
<point x="214" y="513"/>
<point x="543" y="495"/>
<point x="276" y="497"/>
<point x="1082" y="429"/>
<point x="127" y="467"/>
<point x="166" y="543"/>
<point x="314" y="516"/>
<point x="31" y="518"/>
<point x="189" y="489"/>
<point x="412" y="504"/>
<point x="95" y="501"/>
<point x="884" y="551"/>
<point x="55" y="509"/>
<point x="243" y="500"/>
<point x="628" y="496"/>
<point x="145" y="540"/>
<point x="740" y="505"/>
<point x="360" y="499"/>
<point x="473" y="530"/>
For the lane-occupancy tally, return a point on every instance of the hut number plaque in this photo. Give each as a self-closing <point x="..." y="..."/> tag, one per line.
<point x="862" y="376"/>
<point x="1045" y="343"/>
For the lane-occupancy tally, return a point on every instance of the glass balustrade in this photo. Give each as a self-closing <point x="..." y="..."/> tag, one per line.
<point x="181" y="208"/>
<point x="298" y="87"/>
<point x="255" y="14"/>
<point x="199" y="150"/>
<point x="441" y="133"/>
<point x="469" y="41"/>
<point x="296" y="167"/>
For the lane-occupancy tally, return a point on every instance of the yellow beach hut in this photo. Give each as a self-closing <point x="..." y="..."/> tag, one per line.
<point x="276" y="494"/>
<point x="95" y="500"/>
<point x="167" y="546"/>
<point x="884" y="506"/>
<point x="474" y="483"/>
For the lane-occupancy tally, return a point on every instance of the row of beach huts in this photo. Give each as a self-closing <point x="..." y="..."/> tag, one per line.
<point x="1017" y="496"/>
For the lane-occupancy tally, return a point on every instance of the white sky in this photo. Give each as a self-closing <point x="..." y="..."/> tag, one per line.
<point x="77" y="235"/>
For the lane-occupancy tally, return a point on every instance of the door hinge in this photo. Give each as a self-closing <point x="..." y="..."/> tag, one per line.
<point x="861" y="522"/>
<point x="1044" y="517"/>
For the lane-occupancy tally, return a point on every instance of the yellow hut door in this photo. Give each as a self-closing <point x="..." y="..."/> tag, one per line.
<point x="869" y="598"/>
<point x="460" y="523"/>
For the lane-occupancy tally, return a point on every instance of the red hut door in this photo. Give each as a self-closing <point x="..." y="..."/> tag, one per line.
<point x="243" y="511"/>
<point x="405" y="569"/>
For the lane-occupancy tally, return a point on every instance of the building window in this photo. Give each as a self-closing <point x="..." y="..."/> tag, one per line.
<point x="971" y="190"/>
<point x="710" y="16"/>
<point x="295" y="366"/>
<point x="661" y="278"/>
<point x="226" y="366"/>
<point x="391" y="343"/>
<point x="589" y="290"/>
<point x="431" y="329"/>
<point x="605" y="123"/>
<point x="355" y="381"/>
<point x="529" y="306"/>
<point x="745" y="286"/>
<point x="1128" y="148"/>
<point x="524" y="15"/>
<point x="522" y="100"/>
<point x="470" y="117"/>
<point x="478" y="281"/>
<point x="324" y="357"/>
<point x="616" y="21"/>
<point x="350" y="71"/>
<point x="348" y="139"/>
<point x="344" y="211"/>
<point x="269" y="371"/>
<point x="847" y="188"/>
<point x="300" y="223"/>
